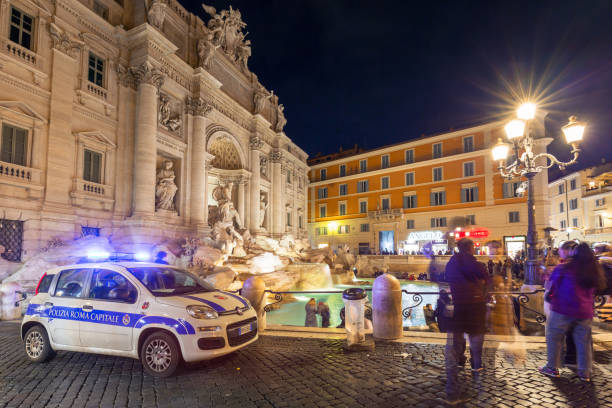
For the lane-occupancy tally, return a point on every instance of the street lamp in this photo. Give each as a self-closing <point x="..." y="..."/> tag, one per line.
<point x="525" y="164"/>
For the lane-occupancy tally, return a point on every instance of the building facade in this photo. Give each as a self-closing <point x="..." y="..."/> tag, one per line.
<point x="399" y="198"/>
<point x="579" y="206"/>
<point x="120" y="118"/>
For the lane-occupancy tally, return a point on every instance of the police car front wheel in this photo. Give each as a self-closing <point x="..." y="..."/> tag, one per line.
<point x="160" y="354"/>
<point x="37" y="345"/>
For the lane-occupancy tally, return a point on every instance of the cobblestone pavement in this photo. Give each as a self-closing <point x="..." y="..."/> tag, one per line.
<point x="289" y="372"/>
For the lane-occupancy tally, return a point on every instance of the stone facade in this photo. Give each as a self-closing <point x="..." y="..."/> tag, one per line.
<point x="120" y="118"/>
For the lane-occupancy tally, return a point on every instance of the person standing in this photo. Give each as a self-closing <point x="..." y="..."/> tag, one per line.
<point x="573" y="286"/>
<point x="468" y="280"/>
<point x="323" y="310"/>
<point x="444" y="311"/>
<point x="430" y="318"/>
<point x="311" y="313"/>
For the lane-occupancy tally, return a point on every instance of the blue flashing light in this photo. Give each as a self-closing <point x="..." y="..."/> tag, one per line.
<point x="142" y="256"/>
<point x="97" y="254"/>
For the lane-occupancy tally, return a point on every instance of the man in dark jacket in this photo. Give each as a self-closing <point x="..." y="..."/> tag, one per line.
<point x="468" y="280"/>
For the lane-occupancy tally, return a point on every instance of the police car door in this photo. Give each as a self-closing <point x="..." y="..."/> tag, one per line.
<point x="112" y="304"/>
<point x="63" y="309"/>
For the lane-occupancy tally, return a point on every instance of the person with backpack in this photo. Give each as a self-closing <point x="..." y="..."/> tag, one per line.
<point x="444" y="311"/>
<point x="572" y="289"/>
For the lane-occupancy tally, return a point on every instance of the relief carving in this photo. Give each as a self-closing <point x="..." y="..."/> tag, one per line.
<point x="198" y="106"/>
<point x="157" y="14"/>
<point x="62" y="42"/>
<point x="169" y="115"/>
<point x="256" y="143"/>
<point x="225" y="30"/>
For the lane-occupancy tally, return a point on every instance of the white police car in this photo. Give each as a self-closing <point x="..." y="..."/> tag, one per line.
<point x="157" y="313"/>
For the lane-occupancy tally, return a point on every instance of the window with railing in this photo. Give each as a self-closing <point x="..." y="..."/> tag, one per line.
<point x="95" y="70"/>
<point x="92" y="163"/>
<point x="22" y="28"/>
<point x="14" y="145"/>
<point x="385" y="203"/>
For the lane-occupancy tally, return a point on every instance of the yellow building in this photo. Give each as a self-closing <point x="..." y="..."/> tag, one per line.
<point x="397" y="198"/>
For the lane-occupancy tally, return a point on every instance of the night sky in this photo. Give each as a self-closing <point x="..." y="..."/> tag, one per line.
<point x="382" y="72"/>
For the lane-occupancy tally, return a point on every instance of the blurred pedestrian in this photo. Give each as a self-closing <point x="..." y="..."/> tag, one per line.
<point x="573" y="286"/>
<point x="444" y="311"/>
<point x="311" y="313"/>
<point x="430" y="318"/>
<point x="323" y="310"/>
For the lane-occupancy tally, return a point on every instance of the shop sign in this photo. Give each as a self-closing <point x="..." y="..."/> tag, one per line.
<point x="515" y="239"/>
<point x="439" y="242"/>
<point x="479" y="233"/>
<point x="425" y="236"/>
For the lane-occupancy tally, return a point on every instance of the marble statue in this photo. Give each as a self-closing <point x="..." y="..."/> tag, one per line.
<point x="167" y="118"/>
<point x="263" y="166"/>
<point x="165" y="188"/>
<point x="260" y="96"/>
<point x="157" y="14"/>
<point x="280" y="118"/>
<point x="206" y="50"/>
<point x="227" y="222"/>
<point x="225" y="29"/>
<point x="263" y="208"/>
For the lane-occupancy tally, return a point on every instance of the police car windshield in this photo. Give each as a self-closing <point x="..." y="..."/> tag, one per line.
<point x="162" y="281"/>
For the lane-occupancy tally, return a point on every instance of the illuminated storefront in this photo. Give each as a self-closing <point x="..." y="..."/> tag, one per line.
<point x="418" y="239"/>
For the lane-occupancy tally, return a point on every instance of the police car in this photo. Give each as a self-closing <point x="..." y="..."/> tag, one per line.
<point x="157" y="313"/>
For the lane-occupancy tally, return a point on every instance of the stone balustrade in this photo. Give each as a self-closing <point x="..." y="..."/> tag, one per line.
<point x="97" y="91"/>
<point x="20" y="53"/>
<point x="86" y="194"/>
<point x="17" y="174"/>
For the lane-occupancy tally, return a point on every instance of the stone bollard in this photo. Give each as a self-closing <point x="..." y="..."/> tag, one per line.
<point x="254" y="290"/>
<point x="387" y="307"/>
<point x="8" y="297"/>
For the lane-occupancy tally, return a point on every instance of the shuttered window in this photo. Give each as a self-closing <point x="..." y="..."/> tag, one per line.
<point x="14" y="145"/>
<point x="92" y="162"/>
<point x="410" y="201"/>
<point x="438" y="198"/>
<point x="469" y="194"/>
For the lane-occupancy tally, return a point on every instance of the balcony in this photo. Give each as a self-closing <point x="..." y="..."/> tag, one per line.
<point x="92" y="195"/>
<point x="21" y="176"/>
<point x="389" y="214"/>
<point x="604" y="187"/>
<point x="594" y="231"/>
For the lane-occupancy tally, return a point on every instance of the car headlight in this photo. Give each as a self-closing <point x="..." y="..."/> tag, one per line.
<point x="202" y="312"/>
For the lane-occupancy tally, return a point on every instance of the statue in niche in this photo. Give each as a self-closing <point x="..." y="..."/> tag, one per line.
<point x="263" y="208"/>
<point x="167" y="117"/>
<point x="165" y="188"/>
<point x="157" y="14"/>
<point x="263" y="166"/>
<point x="206" y="50"/>
<point x="280" y="118"/>
<point x="227" y="227"/>
<point x="260" y="97"/>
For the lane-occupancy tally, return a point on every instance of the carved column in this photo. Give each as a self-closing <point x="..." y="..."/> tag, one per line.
<point x="199" y="108"/>
<point x="256" y="145"/>
<point x="277" y="211"/>
<point x="242" y="201"/>
<point x="148" y="80"/>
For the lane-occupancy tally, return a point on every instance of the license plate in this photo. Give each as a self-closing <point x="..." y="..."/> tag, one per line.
<point x="245" y="329"/>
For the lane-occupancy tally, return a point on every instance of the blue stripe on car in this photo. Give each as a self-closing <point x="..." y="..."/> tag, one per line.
<point x="217" y="307"/>
<point x="236" y="297"/>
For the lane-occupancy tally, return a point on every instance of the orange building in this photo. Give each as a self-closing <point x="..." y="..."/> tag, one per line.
<point x="399" y="197"/>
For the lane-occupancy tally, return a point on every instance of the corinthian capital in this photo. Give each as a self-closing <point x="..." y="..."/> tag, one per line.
<point x="256" y="143"/>
<point x="146" y="73"/>
<point x="198" y="106"/>
<point x="276" y="156"/>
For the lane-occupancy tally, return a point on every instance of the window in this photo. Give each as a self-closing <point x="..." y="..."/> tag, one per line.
<point x="561" y="207"/>
<point x="342" y="208"/>
<point x="468" y="144"/>
<point x="438" y="222"/>
<point x="573" y="203"/>
<point x="111" y="285"/>
<point x="599" y="221"/>
<point x="363" y="166"/>
<point x="410" y="201"/>
<point x="561" y="188"/>
<point x="323" y="211"/>
<point x="92" y="166"/>
<point x="363" y="207"/>
<point x="300" y="222"/>
<point x="288" y="219"/>
<point x="438" y="198"/>
<point x="100" y="9"/>
<point x="318" y="231"/>
<point x="385" y="203"/>
<point x="71" y="283"/>
<point x="469" y="194"/>
<point x="14" y="145"/>
<point x="384" y="161"/>
<point x="600" y="202"/>
<point x="323" y="174"/>
<point x="572" y="184"/>
<point x="510" y="189"/>
<point x="468" y="169"/>
<point x="22" y="28"/>
<point x="342" y="189"/>
<point x="437" y="150"/>
<point x="562" y="224"/>
<point x="410" y="179"/>
<point x="11" y="238"/>
<point x="344" y="229"/>
<point x="409" y="156"/>
<point x="45" y="283"/>
<point x="575" y="222"/>
<point x="362" y="186"/>
<point x="364" y="228"/>
<point x="323" y="230"/>
<point x="90" y="231"/>
<point x="342" y="170"/>
<point x="470" y="219"/>
<point x="384" y="183"/>
<point x="409" y="224"/>
<point x="322" y="192"/>
<point x="514" y="216"/>
<point x="95" y="72"/>
<point x="437" y="174"/>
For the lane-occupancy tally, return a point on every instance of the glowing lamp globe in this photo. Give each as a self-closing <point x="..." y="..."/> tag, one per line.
<point x="526" y="111"/>
<point x="500" y="151"/>
<point x="573" y="130"/>
<point x="515" y="128"/>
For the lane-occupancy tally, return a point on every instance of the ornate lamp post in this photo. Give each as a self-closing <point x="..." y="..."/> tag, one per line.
<point x="525" y="164"/>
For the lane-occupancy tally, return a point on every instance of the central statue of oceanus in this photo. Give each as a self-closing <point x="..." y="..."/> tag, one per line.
<point x="227" y="227"/>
